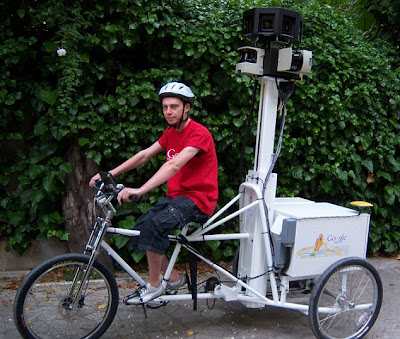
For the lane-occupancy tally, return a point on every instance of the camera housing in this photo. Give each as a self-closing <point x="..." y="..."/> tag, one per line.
<point x="251" y="61"/>
<point x="275" y="28"/>
<point x="294" y="61"/>
<point x="273" y="23"/>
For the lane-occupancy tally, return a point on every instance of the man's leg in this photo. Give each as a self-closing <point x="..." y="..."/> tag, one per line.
<point x="152" y="289"/>
<point x="158" y="262"/>
<point x="174" y="274"/>
<point x="154" y="261"/>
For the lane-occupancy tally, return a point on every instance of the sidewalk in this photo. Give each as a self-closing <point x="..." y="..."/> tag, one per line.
<point x="224" y="320"/>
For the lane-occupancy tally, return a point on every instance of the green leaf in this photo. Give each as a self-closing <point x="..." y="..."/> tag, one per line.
<point x="15" y="218"/>
<point x="37" y="197"/>
<point x="83" y="141"/>
<point x="49" y="184"/>
<point x="238" y="122"/>
<point x="297" y="173"/>
<point x="121" y="101"/>
<point x="64" y="236"/>
<point x="342" y="175"/>
<point x="85" y="58"/>
<point x="126" y="224"/>
<point x="50" y="46"/>
<point x="26" y="196"/>
<point x="395" y="163"/>
<point x="391" y="247"/>
<point x="53" y="217"/>
<point x="21" y="12"/>
<point x="120" y="241"/>
<point x="366" y="142"/>
<point x="137" y="256"/>
<point x="229" y="192"/>
<point x="385" y="175"/>
<point x="40" y="129"/>
<point x="213" y="244"/>
<point x="369" y="165"/>
<point x="396" y="235"/>
<point x="49" y="97"/>
<point x="66" y="167"/>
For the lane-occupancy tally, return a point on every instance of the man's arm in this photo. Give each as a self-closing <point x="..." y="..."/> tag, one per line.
<point x="138" y="159"/>
<point x="166" y="171"/>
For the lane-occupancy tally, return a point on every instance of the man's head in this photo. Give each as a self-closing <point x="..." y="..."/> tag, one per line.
<point x="178" y="90"/>
<point x="176" y="99"/>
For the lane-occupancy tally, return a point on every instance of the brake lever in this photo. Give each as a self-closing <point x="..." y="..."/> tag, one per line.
<point x="99" y="184"/>
<point x="132" y="197"/>
<point x="120" y="187"/>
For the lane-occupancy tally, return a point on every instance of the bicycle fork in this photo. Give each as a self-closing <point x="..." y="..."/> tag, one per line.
<point x="74" y="296"/>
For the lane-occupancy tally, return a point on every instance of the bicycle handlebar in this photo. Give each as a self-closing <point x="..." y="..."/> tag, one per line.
<point x="108" y="185"/>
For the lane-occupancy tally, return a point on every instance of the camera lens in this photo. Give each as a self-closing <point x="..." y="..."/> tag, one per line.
<point x="286" y="25"/>
<point x="249" y="56"/>
<point x="297" y="62"/>
<point x="266" y="23"/>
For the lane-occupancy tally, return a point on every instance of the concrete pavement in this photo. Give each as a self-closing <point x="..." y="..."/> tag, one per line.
<point x="222" y="319"/>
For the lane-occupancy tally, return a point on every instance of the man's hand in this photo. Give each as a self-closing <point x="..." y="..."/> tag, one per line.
<point x="126" y="194"/>
<point x="94" y="179"/>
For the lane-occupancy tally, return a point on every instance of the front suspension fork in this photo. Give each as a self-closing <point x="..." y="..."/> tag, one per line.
<point x="84" y="270"/>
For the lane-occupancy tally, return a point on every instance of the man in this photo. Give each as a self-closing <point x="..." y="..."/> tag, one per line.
<point x="191" y="172"/>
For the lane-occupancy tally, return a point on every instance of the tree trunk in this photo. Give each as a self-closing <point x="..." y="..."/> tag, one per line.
<point x="77" y="202"/>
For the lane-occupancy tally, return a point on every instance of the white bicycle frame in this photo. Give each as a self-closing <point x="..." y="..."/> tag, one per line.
<point x="221" y="291"/>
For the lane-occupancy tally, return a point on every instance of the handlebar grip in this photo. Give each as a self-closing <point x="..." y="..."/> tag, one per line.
<point x="134" y="198"/>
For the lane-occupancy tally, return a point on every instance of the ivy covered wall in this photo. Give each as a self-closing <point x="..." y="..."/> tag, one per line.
<point x="64" y="117"/>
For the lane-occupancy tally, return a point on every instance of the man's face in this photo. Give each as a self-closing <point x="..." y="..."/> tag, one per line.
<point x="172" y="110"/>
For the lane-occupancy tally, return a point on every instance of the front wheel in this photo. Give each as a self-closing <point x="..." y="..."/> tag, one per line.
<point x="346" y="300"/>
<point x="43" y="303"/>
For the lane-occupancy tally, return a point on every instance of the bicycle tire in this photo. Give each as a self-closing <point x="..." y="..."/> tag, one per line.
<point x="352" y="288"/>
<point x="40" y="306"/>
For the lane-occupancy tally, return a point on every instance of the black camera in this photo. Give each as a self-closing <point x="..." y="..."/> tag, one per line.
<point x="276" y="29"/>
<point x="272" y="24"/>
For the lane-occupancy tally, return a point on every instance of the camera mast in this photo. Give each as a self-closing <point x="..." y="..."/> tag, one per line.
<point x="276" y="29"/>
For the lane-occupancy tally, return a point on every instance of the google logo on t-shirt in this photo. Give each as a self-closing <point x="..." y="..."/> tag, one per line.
<point x="171" y="154"/>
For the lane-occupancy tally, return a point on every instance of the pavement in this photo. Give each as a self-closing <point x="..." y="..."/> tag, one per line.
<point x="220" y="319"/>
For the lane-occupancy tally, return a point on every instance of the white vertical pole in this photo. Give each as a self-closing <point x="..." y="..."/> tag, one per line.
<point x="255" y="258"/>
<point x="266" y="125"/>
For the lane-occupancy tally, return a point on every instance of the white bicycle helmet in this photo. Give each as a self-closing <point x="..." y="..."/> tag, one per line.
<point x="179" y="90"/>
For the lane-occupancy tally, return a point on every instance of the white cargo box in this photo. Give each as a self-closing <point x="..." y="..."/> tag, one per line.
<point x="324" y="234"/>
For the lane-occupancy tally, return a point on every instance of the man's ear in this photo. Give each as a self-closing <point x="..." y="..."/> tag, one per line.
<point x="187" y="107"/>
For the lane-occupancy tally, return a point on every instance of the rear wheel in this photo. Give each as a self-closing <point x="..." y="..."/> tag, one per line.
<point x="346" y="300"/>
<point x="43" y="307"/>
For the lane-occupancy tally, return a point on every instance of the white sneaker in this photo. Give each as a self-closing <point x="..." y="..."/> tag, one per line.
<point x="177" y="284"/>
<point x="145" y="294"/>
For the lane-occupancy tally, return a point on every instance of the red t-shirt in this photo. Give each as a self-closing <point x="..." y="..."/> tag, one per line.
<point x="198" y="178"/>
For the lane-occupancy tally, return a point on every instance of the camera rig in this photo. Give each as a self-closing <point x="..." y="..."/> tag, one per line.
<point x="274" y="64"/>
<point x="276" y="29"/>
